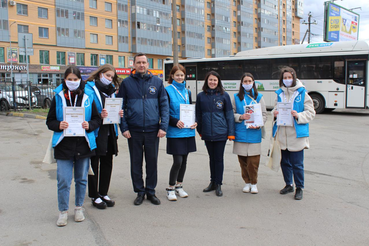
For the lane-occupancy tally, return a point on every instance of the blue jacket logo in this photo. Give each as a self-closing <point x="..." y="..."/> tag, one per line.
<point x="219" y="104"/>
<point x="152" y="90"/>
<point x="87" y="103"/>
<point x="298" y="98"/>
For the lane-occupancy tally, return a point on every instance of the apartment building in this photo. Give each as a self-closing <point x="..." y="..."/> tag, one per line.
<point x="90" y="33"/>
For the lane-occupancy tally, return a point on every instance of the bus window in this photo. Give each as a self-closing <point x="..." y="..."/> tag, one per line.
<point x="339" y="71"/>
<point x="279" y="64"/>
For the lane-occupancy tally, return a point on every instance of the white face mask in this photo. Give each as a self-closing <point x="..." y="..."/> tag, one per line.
<point x="288" y="82"/>
<point x="247" y="87"/>
<point x="72" y="85"/>
<point x="104" y="80"/>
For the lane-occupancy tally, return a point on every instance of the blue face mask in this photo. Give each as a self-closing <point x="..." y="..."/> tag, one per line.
<point x="247" y="87"/>
<point x="104" y="80"/>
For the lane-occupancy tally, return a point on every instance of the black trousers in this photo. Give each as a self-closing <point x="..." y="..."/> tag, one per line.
<point x="216" y="156"/>
<point x="178" y="169"/>
<point x="99" y="183"/>
<point x="139" y="144"/>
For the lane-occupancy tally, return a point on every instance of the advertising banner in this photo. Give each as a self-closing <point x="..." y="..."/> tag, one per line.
<point x="341" y="24"/>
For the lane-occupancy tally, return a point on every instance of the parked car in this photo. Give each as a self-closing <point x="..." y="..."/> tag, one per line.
<point x="44" y="96"/>
<point x="21" y="97"/>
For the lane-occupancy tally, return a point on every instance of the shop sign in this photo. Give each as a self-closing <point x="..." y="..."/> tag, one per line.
<point x="13" y="67"/>
<point x="126" y="71"/>
<point x="157" y="72"/>
<point x="50" y="68"/>
<point x="13" y="55"/>
<point x="87" y="70"/>
<point x="71" y="58"/>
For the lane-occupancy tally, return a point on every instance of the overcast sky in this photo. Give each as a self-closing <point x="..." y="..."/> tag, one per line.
<point x="317" y="10"/>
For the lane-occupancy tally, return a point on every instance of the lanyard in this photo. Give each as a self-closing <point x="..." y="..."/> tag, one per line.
<point x="70" y="99"/>
<point x="185" y="99"/>
<point x="292" y="98"/>
<point x="252" y="102"/>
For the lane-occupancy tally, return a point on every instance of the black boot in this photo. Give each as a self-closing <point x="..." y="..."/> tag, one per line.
<point x="218" y="190"/>
<point x="210" y="187"/>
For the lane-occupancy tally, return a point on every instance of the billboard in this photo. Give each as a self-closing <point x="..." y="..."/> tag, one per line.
<point x="340" y="24"/>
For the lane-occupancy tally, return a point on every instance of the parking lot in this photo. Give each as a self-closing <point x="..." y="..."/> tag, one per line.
<point x="334" y="210"/>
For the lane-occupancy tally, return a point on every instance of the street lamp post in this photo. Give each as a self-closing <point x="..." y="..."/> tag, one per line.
<point x="11" y="55"/>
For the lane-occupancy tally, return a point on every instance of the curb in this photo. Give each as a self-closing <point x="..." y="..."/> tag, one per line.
<point x="32" y="116"/>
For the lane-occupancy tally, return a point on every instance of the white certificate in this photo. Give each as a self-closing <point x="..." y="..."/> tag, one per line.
<point x="256" y="115"/>
<point x="75" y="116"/>
<point x="113" y="106"/>
<point x="187" y="114"/>
<point x="284" y="117"/>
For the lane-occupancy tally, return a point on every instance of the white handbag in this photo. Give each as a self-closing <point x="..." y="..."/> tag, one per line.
<point x="49" y="156"/>
<point x="274" y="154"/>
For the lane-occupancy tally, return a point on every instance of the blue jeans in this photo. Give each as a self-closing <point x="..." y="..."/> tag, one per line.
<point x="216" y="156"/>
<point x="292" y="163"/>
<point x="64" y="174"/>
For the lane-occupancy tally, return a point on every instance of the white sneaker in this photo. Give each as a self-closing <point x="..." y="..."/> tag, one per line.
<point x="254" y="189"/>
<point x="171" y="195"/>
<point x="181" y="192"/>
<point x="63" y="218"/>
<point x="78" y="214"/>
<point x="247" y="188"/>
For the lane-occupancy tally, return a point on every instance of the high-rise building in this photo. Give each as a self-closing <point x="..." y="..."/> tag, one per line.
<point x="90" y="33"/>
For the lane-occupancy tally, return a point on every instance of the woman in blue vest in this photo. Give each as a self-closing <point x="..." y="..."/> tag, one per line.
<point x="72" y="152"/>
<point x="103" y="83"/>
<point x="180" y="140"/>
<point x="215" y="125"/>
<point x="293" y="139"/>
<point x="247" y="145"/>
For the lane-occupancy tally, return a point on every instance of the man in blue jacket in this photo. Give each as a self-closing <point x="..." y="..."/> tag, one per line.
<point x="146" y="117"/>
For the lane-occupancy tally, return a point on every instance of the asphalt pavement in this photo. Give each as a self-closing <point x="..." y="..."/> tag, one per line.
<point x="334" y="210"/>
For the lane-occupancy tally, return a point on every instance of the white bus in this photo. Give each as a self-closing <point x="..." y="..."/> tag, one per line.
<point x="335" y="74"/>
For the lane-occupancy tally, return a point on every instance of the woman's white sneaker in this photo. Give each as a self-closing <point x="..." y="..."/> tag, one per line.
<point x="247" y="188"/>
<point x="254" y="189"/>
<point x="171" y="195"/>
<point x="180" y="192"/>
<point x="63" y="218"/>
<point x="78" y="214"/>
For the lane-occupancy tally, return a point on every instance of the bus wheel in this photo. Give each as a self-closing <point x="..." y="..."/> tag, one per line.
<point x="319" y="103"/>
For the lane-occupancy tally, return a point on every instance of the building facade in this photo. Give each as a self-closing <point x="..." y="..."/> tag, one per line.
<point x="90" y="33"/>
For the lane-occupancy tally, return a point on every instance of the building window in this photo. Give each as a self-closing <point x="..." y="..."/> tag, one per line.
<point x="121" y="62"/>
<point x="93" y="38"/>
<point x="42" y="13"/>
<point x="2" y="56"/>
<point x="179" y="48"/>
<point x="160" y="63"/>
<point x="108" y="7"/>
<point x="208" y="17"/>
<point x="43" y="32"/>
<point x="150" y="60"/>
<point x="208" y="5"/>
<point x="93" y="59"/>
<point x="209" y="52"/>
<point x="234" y="45"/>
<point x="108" y="40"/>
<point x="93" y="21"/>
<point x="22" y="59"/>
<point x="234" y="13"/>
<point x="234" y="24"/>
<point x="44" y="57"/>
<point x="208" y="28"/>
<point x="93" y="4"/>
<point x="178" y="8"/>
<point x="22" y="29"/>
<point x="109" y="59"/>
<point x="234" y="34"/>
<point x="60" y="58"/>
<point x="108" y="23"/>
<point x="22" y="9"/>
<point x="178" y="35"/>
<point x="80" y="59"/>
<point x="178" y="22"/>
<point x="209" y="40"/>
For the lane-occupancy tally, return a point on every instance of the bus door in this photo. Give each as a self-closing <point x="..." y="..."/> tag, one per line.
<point x="191" y="80"/>
<point x="356" y="84"/>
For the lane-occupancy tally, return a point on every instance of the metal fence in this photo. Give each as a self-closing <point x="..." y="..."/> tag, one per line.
<point x="25" y="95"/>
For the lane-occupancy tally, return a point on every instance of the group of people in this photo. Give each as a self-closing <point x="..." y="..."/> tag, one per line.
<point x="151" y="111"/>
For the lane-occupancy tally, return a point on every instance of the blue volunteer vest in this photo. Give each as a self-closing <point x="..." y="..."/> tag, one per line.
<point x="242" y="133"/>
<point x="302" y="130"/>
<point x="60" y="104"/>
<point x="175" y="100"/>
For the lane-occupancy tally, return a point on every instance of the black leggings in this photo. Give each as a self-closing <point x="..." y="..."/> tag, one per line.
<point x="178" y="169"/>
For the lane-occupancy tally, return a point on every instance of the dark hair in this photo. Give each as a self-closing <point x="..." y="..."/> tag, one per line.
<point x="95" y="75"/>
<point x="241" y="91"/>
<point x="174" y="70"/>
<point x="219" y="88"/>
<point x="74" y="70"/>
<point x="287" y="70"/>
<point x="137" y="55"/>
